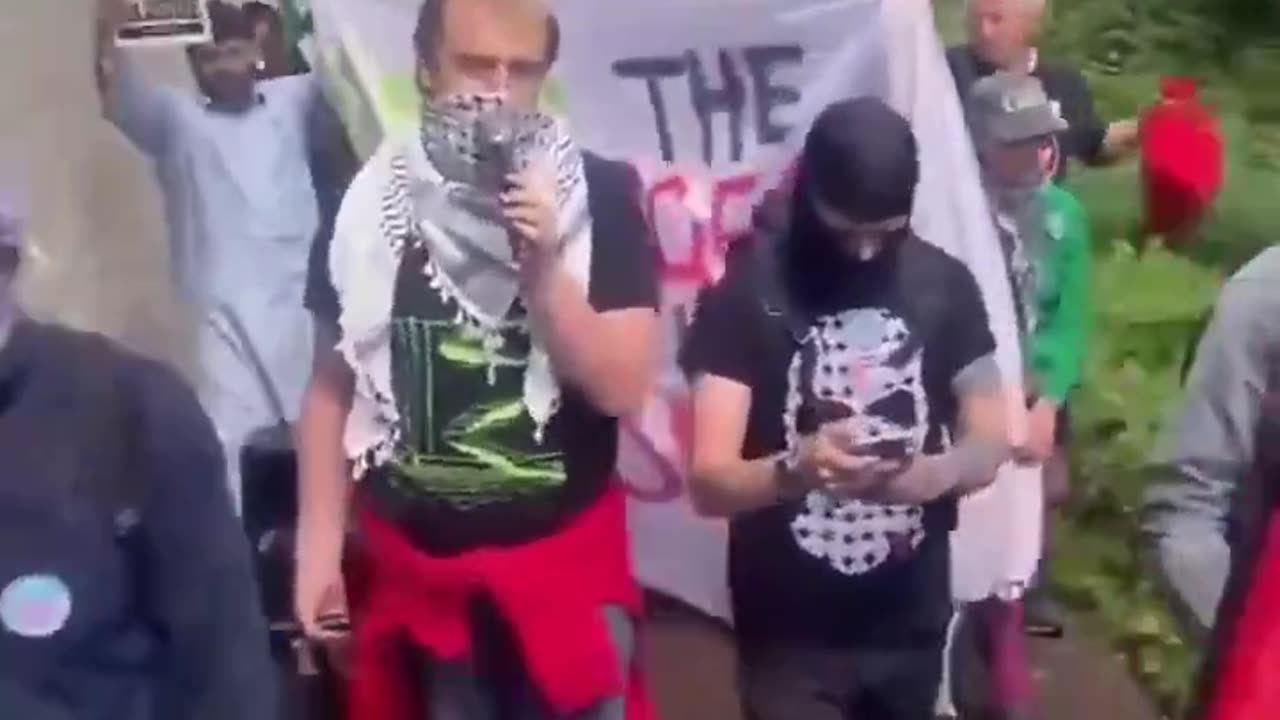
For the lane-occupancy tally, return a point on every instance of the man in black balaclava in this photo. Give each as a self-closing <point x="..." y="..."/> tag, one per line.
<point x="125" y="586"/>
<point x="845" y="396"/>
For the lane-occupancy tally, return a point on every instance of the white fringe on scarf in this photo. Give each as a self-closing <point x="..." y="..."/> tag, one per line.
<point x="364" y="259"/>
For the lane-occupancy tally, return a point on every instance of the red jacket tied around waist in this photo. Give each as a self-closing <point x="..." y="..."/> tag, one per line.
<point x="551" y="592"/>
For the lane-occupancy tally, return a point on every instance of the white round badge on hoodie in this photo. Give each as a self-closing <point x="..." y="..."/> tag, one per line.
<point x="35" y="606"/>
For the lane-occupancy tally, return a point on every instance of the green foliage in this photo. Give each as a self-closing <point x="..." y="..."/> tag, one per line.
<point x="1149" y="306"/>
<point x="1149" y="310"/>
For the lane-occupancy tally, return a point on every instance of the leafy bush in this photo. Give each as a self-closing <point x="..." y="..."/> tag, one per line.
<point x="1149" y="305"/>
<point x="1149" y="308"/>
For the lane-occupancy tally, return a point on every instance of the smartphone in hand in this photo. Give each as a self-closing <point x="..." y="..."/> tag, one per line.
<point x="495" y="151"/>
<point x="897" y="452"/>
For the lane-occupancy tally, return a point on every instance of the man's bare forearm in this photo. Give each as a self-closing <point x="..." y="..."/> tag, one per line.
<point x="1119" y="142"/>
<point x="983" y="445"/>
<point x="966" y="467"/>
<point x="736" y="487"/>
<point x="608" y="357"/>
<point x="324" y="476"/>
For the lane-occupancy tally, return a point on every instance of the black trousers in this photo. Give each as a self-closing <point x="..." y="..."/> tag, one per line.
<point x="845" y="684"/>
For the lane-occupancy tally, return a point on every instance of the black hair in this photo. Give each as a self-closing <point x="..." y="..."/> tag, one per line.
<point x="430" y="31"/>
<point x="229" y="22"/>
<point x="260" y="12"/>
<point x="812" y="263"/>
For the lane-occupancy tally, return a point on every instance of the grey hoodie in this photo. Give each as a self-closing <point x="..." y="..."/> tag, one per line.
<point x="1210" y="447"/>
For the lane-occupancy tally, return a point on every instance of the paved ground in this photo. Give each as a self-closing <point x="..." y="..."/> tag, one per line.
<point x="1079" y="681"/>
<point x="691" y="672"/>
<point x="96" y="224"/>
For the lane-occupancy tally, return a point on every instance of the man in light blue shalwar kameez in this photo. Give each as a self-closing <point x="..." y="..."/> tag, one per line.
<point x="242" y="214"/>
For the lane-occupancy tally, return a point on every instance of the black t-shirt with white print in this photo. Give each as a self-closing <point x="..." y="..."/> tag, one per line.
<point x="470" y="472"/>
<point x="817" y="572"/>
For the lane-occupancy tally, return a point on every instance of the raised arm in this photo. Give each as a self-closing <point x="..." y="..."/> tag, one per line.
<point x="141" y="110"/>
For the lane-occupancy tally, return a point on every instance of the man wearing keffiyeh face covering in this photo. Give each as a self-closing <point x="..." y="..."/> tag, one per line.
<point x="492" y="296"/>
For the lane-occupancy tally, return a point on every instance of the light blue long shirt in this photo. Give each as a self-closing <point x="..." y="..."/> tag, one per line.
<point x="237" y="188"/>
<point x="242" y="215"/>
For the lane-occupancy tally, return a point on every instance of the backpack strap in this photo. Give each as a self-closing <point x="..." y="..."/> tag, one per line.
<point x="767" y="267"/>
<point x="921" y="296"/>
<point x="776" y="303"/>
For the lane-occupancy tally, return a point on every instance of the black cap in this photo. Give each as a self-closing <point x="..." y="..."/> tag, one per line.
<point x="861" y="159"/>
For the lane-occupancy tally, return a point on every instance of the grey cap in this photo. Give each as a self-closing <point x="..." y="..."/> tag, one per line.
<point x="1012" y="107"/>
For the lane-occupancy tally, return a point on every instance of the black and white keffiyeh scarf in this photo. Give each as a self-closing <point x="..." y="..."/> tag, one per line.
<point x="434" y="190"/>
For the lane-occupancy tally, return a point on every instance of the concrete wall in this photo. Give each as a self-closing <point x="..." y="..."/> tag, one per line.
<point x="98" y="241"/>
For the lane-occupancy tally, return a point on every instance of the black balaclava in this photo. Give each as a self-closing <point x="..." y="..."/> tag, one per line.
<point x="860" y="160"/>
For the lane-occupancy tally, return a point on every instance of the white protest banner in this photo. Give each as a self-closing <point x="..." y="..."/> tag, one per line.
<point x="709" y="100"/>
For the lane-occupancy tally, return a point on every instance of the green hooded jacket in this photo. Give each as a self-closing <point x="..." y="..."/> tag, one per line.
<point x="1056" y="346"/>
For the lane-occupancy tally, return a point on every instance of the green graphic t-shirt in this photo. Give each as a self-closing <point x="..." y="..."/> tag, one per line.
<point x="469" y="470"/>
<point x="465" y="435"/>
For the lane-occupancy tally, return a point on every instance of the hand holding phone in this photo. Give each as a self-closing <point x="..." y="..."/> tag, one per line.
<point x="890" y="450"/>
<point x="495" y="134"/>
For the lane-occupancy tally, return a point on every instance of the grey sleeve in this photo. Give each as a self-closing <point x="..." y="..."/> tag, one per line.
<point x="1209" y="448"/>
